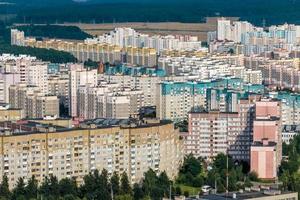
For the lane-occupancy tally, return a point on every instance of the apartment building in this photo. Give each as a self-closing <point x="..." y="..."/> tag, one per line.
<point x="177" y="99"/>
<point x="79" y="78"/>
<point x="147" y="84"/>
<point x="141" y="56"/>
<point x="208" y="67"/>
<point x="128" y="37"/>
<point x="266" y="150"/>
<point x="58" y="85"/>
<point x="34" y="103"/>
<point x="116" y="145"/>
<point x="214" y="132"/>
<point x="30" y="70"/>
<point x="17" y="37"/>
<point x="210" y="133"/>
<point x="6" y="80"/>
<point x="109" y="100"/>
<point x="289" y="132"/>
<point x="10" y="114"/>
<point x="100" y="52"/>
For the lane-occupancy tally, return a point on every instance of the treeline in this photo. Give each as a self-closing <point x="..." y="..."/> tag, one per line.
<point x="50" y="55"/>
<point x="96" y="186"/>
<point x="54" y="31"/>
<point x="194" y="173"/>
<point x="254" y="11"/>
<point x="289" y="170"/>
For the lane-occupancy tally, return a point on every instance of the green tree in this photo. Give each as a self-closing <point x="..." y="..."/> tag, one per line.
<point x="54" y="186"/>
<point x="19" y="190"/>
<point x="150" y="180"/>
<point x="31" y="189"/>
<point x="157" y="193"/>
<point x="115" y="183"/>
<point x="253" y="176"/>
<point x="4" y="188"/>
<point x="164" y="183"/>
<point x="89" y="188"/>
<point x="125" y="185"/>
<point x="138" y="193"/>
<point x="124" y="197"/>
<point x="190" y="172"/>
<point x="67" y="186"/>
<point x="102" y="186"/>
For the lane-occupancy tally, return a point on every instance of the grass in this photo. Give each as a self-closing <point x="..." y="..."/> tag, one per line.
<point x="191" y="190"/>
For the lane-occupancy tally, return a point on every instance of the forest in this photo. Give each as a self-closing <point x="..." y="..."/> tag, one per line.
<point x="50" y="55"/>
<point x="103" y="11"/>
<point x="54" y="31"/>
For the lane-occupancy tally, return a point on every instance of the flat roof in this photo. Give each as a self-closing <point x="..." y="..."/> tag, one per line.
<point x="241" y="196"/>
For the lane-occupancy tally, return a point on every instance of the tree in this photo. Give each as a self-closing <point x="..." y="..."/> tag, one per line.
<point x="253" y="176"/>
<point x="178" y="191"/>
<point x="67" y="187"/>
<point x="190" y="172"/>
<point x="19" y="190"/>
<point x="50" y="188"/>
<point x="45" y="187"/>
<point x="54" y="186"/>
<point x="115" y="183"/>
<point x="4" y="188"/>
<point x="125" y="185"/>
<point x="138" y="193"/>
<point x="150" y="180"/>
<point x="164" y="183"/>
<point x="102" y="186"/>
<point x="124" y="197"/>
<point x="285" y="178"/>
<point x="186" y="193"/>
<point x="157" y="193"/>
<point x="89" y="188"/>
<point x="31" y="188"/>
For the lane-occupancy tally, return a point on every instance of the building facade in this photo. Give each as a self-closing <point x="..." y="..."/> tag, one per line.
<point x="76" y="152"/>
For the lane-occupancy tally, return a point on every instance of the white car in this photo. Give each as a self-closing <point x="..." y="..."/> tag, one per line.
<point x="206" y="188"/>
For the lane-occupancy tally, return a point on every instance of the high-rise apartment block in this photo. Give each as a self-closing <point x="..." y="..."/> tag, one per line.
<point x="109" y="101"/>
<point x="40" y="150"/>
<point x="266" y="150"/>
<point x="34" y="103"/>
<point x="214" y="132"/>
<point x="17" y="37"/>
<point x="81" y="77"/>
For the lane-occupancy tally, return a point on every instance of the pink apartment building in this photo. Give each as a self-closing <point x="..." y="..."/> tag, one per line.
<point x="266" y="150"/>
<point x="211" y="133"/>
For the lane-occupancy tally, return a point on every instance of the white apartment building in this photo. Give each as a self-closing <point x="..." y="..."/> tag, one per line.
<point x="79" y="78"/>
<point x="6" y="80"/>
<point x="30" y="70"/>
<point x="17" y="37"/>
<point x="232" y="31"/>
<point x="128" y="37"/>
<point x="109" y="101"/>
<point x="210" y="67"/>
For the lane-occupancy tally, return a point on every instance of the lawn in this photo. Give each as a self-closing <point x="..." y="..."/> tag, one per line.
<point x="192" y="190"/>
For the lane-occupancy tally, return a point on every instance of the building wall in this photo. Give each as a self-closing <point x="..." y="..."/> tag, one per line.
<point x="266" y="151"/>
<point x="75" y="153"/>
<point x="263" y="160"/>
<point x="11" y="114"/>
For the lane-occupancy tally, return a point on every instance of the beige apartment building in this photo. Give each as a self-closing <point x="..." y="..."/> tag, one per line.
<point x="100" y="52"/>
<point x="10" y="114"/>
<point x="40" y="150"/>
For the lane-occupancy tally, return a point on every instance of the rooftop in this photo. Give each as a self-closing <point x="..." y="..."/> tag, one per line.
<point x="246" y="195"/>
